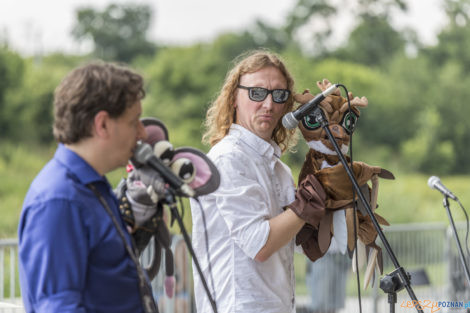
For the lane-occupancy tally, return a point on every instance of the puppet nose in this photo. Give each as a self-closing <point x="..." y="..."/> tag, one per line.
<point x="337" y="131"/>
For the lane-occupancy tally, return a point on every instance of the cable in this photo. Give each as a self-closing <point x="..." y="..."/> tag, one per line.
<point x="358" y="279"/>
<point x="466" y="233"/>
<point x="206" y="237"/>
<point x="456" y="235"/>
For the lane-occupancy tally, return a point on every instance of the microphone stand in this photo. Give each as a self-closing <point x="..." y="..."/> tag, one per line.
<point x="398" y="279"/>
<point x="171" y="202"/>
<point x="445" y="202"/>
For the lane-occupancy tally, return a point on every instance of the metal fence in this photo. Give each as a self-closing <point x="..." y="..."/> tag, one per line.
<point x="427" y="251"/>
<point x="9" y="294"/>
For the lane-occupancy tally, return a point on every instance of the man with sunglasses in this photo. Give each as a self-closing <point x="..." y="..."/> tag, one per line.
<point x="247" y="258"/>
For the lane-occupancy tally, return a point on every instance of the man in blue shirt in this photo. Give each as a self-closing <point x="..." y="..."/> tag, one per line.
<point x="71" y="257"/>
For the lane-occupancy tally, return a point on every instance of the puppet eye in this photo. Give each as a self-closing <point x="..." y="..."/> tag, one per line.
<point x="349" y="121"/>
<point x="310" y="123"/>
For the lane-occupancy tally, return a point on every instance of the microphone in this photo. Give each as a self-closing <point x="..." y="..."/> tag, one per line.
<point x="291" y="119"/>
<point x="144" y="155"/>
<point x="435" y="183"/>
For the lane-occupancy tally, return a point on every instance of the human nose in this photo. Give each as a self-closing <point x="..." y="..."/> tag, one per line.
<point x="141" y="133"/>
<point x="268" y="102"/>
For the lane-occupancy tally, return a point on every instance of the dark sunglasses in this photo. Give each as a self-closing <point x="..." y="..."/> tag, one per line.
<point x="259" y="94"/>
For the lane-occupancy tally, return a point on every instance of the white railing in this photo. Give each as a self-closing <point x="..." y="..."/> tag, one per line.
<point x="8" y="251"/>
<point x="10" y="303"/>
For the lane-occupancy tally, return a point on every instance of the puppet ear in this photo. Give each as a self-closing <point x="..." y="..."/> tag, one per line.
<point x="156" y="130"/>
<point x="207" y="177"/>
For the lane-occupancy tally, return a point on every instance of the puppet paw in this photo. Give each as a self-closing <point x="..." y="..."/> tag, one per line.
<point x="309" y="202"/>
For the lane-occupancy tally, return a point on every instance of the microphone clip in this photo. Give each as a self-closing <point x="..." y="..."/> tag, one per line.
<point x="320" y="117"/>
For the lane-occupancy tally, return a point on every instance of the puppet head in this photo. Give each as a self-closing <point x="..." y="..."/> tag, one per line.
<point x="342" y="119"/>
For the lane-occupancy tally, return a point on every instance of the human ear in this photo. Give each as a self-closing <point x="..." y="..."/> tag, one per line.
<point x="101" y="124"/>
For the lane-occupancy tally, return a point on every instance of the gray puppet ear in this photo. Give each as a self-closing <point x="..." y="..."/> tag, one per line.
<point x="207" y="177"/>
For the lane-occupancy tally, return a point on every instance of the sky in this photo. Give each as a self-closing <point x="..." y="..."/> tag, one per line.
<point x="32" y="26"/>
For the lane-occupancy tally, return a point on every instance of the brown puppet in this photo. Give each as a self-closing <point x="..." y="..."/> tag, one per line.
<point x="323" y="162"/>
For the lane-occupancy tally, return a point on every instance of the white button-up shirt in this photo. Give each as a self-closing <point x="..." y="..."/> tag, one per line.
<point x="255" y="186"/>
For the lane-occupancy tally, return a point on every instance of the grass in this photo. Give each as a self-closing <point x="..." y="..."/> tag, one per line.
<point x="18" y="167"/>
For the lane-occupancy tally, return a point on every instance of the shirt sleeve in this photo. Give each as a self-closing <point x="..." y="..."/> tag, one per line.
<point x="242" y="203"/>
<point x="53" y="256"/>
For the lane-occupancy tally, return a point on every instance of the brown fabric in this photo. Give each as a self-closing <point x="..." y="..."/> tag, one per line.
<point x="336" y="181"/>
<point x="309" y="203"/>
<point x="308" y="239"/>
<point x="365" y="228"/>
<point x="325" y="232"/>
<point x="339" y="195"/>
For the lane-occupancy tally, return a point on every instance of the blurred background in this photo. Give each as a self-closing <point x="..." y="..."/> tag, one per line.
<point x="409" y="58"/>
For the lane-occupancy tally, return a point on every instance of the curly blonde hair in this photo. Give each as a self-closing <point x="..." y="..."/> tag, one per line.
<point x="221" y="114"/>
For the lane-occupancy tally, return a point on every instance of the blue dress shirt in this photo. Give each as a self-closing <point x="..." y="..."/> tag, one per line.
<point x="71" y="258"/>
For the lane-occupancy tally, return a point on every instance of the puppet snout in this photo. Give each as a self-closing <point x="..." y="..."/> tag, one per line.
<point x="337" y="131"/>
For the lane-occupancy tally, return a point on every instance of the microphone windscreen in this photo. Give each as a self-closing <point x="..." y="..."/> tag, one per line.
<point x="432" y="181"/>
<point x="207" y="177"/>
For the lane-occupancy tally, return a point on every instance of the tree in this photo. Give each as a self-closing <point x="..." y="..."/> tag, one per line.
<point x="182" y="82"/>
<point x="11" y="75"/>
<point x="454" y="40"/>
<point x="299" y="24"/>
<point x="118" y="32"/>
<point x="373" y="42"/>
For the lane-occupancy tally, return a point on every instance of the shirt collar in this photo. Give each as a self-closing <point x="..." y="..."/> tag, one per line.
<point x="77" y="165"/>
<point x="258" y="144"/>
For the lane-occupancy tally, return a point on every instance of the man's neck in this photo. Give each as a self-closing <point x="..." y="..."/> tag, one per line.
<point x="88" y="150"/>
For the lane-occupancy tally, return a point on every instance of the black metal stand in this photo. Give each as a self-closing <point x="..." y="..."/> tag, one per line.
<point x="171" y="202"/>
<point x="400" y="273"/>
<point x="391" y="283"/>
<point x="445" y="202"/>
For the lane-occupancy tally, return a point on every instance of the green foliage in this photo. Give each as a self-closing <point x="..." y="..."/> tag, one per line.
<point x="19" y="164"/>
<point x="424" y="152"/>
<point x="373" y="42"/>
<point x="11" y="74"/>
<point x="182" y="82"/>
<point x="451" y="96"/>
<point x="301" y="16"/>
<point x="30" y="103"/>
<point x="454" y="40"/>
<point x="118" y="33"/>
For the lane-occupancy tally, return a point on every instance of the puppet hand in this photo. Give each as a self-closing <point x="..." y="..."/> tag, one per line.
<point x="307" y="238"/>
<point x="139" y="195"/>
<point x="309" y="202"/>
<point x="142" y="199"/>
